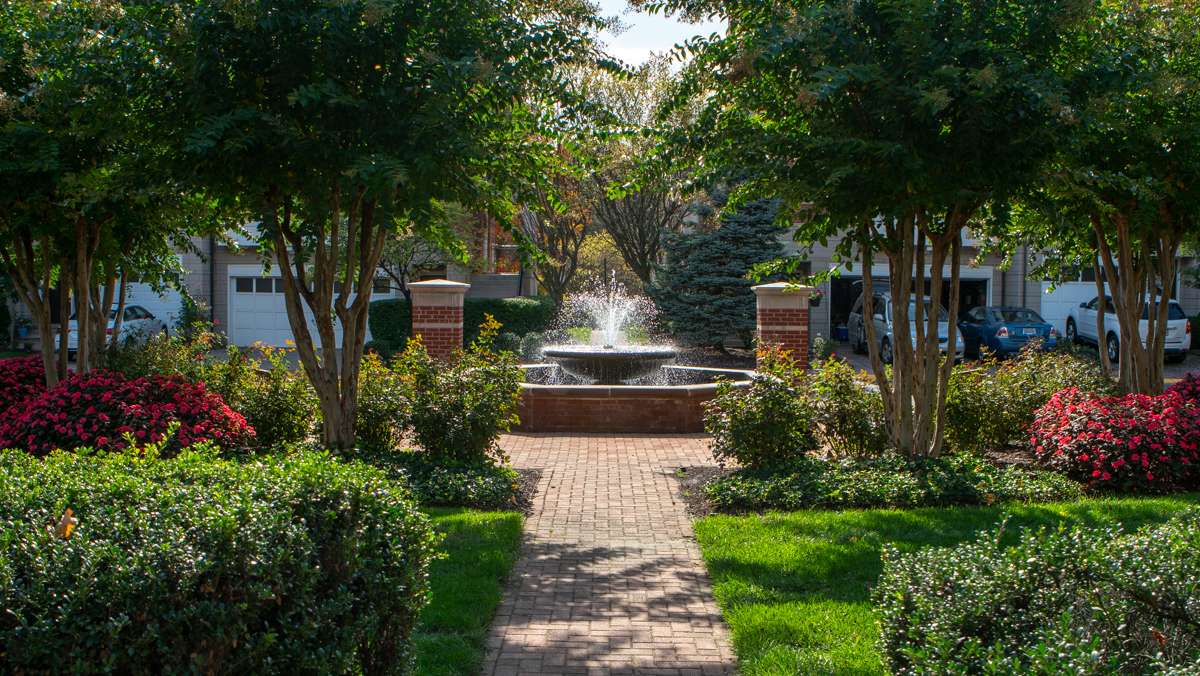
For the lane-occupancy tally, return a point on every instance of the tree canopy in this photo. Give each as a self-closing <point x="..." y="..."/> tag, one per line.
<point x="334" y="124"/>
<point x="890" y="124"/>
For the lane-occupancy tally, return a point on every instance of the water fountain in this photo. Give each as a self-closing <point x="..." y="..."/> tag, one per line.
<point x="608" y="359"/>
<point x="605" y="381"/>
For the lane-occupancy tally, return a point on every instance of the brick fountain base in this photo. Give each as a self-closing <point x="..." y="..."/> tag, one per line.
<point x="650" y="409"/>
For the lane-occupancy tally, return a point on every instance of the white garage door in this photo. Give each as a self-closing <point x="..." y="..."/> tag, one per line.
<point x="258" y="313"/>
<point x="1057" y="304"/>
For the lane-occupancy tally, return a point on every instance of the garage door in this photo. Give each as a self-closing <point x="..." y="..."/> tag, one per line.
<point x="258" y="313"/>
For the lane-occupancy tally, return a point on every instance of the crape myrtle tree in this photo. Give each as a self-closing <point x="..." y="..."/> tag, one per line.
<point x="1124" y="191"/>
<point x="336" y="123"/>
<point x="84" y="199"/>
<point x="890" y="125"/>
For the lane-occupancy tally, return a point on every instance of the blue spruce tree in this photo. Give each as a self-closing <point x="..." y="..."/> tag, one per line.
<point x="702" y="291"/>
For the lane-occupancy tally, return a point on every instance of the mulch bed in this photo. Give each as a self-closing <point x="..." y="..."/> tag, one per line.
<point x="527" y="483"/>
<point x="691" y="488"/>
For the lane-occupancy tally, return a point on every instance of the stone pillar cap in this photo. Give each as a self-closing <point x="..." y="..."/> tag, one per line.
<point x="442" y="285"/>
<point x="779" y="288"/>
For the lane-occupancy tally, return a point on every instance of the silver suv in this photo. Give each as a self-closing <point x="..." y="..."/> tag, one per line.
<point x="884" y="331"/>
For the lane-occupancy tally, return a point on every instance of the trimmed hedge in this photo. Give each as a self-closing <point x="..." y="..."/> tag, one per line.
<point x="391" y="318"/>
<point x="889" y="481"/>
<point x="296" y="564"/>
<point x="1066" y="602"/>
<point x="481" y="485"/>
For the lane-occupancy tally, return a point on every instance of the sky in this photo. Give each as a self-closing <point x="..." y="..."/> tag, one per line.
<point x="647" y="33"/>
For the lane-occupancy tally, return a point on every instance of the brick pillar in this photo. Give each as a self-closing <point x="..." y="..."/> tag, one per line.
<point x="437" y="315"/>
<point x="783" y="318"/>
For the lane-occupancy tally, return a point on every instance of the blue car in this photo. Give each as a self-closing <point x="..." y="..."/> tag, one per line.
<point x="1004" y="330"/>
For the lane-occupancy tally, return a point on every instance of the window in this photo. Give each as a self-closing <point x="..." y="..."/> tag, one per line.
<point x="382" y="285"/>
<point x="263" y="285"/>
<point x="1020" y="316"/>
<point x="976" y="315"/>
<point x="279" y="285"/>
<point x="244" y="284"/>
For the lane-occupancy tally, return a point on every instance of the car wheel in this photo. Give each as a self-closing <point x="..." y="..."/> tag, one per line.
<point x="1071" y="335"/>
<point x="885" y="351"/>
<point x="1114" y="348"/>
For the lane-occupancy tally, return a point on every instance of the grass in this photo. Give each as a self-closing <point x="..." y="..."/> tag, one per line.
<point x="466" y="585"/>
<point x="795" y="587"/>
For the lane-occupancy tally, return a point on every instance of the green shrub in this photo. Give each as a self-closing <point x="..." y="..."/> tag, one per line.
<point x="508" y="341"/>
<point x="296" y="564"/>
<point x="480" y="485"/>
<point x="386" y="349"/>
<point x="519" y="315"/>
<point x="182" y="354"/>
<point x="849" y="411"/>
<point x="382" y="410"/>
<point x="531" y="346"/>
<point x="992" y="404"/>
<point x="766" y="423"/>
<point x="889" y="481"/>
<point x="391" y="318"/>
<point x="458" y="411"/>
<point x="276" y="400"/>
<point x="1066" y="601"/>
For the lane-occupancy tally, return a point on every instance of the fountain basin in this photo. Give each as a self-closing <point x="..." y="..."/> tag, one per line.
<point x="650" y="409"/>
<point x="606" y="365"/>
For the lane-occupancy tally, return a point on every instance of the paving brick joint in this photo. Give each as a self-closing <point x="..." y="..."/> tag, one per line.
<point x="610" y="580"/>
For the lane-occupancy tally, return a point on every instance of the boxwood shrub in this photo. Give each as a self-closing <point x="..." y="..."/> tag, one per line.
<point x="1057" y="602"/>
<point x="481" y="484"/>
<point x="297" y="564"/>
<point x="391" y="318"/>
<point x="888" y="481"/>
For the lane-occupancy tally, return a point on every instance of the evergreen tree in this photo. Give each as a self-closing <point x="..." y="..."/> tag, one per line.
<point x="702" y="290"/>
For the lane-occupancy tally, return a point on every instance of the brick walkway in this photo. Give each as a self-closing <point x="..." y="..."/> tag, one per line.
<point x="610" y="580"/>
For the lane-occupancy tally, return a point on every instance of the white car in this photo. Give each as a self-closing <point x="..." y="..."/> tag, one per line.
<point x="137" y="327"/>
<point x="1081" y="327"/>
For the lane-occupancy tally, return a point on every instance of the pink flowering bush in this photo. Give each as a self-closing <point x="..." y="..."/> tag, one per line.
<point x="21" y="379"/>
<point x="100" y="409"/>
<point x="1188" y="388"/>
<point x="1134" y="443"/>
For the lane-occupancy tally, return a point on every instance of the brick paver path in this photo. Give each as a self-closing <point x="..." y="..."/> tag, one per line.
<point x="610" y="580"/>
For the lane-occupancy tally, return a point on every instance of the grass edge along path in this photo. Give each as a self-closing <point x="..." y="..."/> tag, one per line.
<point x="466" y="585"/>
<point x="794" y="587"/>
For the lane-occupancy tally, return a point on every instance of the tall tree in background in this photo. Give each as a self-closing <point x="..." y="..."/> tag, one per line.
<point x="703" y="290"/>
<point x="890" y="124"/>
<point x="84" y="198"/>
<point x="638" y="210"/>
<point x="556" y="221"/>
<point x="406" y="251"/>
<point x="1124" y="192"/>
<point x="336" y="124"/>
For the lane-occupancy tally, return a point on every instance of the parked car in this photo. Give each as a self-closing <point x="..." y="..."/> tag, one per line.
<point x="137" y="327"/>
<point x="1081" y="328"/>
<point x="884" y="330"/>
<point x="1004" y="330"/>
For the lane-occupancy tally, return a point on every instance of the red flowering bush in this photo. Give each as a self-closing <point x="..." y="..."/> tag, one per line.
<point x="99" y="409"/>
<point x="1131" y="443"/>
<point x="1188" y="388"/>
<point x="21" y="379"/>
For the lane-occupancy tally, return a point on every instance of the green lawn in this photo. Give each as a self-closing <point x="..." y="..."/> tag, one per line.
<point x="466" y="585"/>
<point x="795" y="587"/>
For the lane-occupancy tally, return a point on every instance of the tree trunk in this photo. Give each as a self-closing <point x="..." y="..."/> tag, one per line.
<point x="1101" y="309"/>
<point x="355" y="257"/>
<point x="31" y="273"/>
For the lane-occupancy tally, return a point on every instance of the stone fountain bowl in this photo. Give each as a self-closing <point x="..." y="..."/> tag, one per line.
<point x="604" y="365"/>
